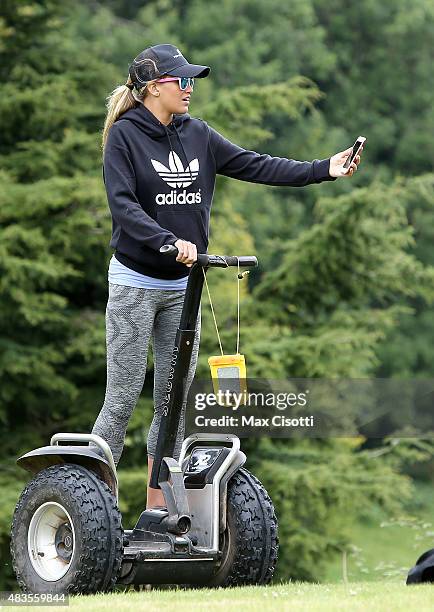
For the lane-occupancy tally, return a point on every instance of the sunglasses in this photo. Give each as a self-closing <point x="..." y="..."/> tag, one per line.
<point x="184" y="82"/>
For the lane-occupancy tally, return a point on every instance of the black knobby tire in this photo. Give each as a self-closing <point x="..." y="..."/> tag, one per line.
<point x="92" y="507"/>
<point x="250" y="543"/>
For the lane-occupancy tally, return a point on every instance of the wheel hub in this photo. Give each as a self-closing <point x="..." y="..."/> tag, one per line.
<point x="63" y="541"/>
<point x="50" y="541"/>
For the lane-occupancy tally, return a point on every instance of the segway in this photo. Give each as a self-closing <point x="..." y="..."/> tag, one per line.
<point x="219" y="528"/>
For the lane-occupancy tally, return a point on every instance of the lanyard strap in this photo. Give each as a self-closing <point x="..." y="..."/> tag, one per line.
<point x="240" y="276"/>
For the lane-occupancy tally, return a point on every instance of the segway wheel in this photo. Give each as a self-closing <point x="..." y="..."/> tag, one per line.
<point x="66" y="534"/>
<point x="250" y="542"/>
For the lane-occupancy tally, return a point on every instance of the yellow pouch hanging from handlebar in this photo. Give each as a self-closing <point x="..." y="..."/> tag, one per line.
<point x="228" y="372"/>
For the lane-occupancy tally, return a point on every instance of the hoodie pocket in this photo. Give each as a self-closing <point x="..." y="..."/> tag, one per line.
<point x="187" y="224"/>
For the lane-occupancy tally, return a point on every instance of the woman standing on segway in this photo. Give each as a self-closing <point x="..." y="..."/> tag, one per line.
<point x="159" y="170"/>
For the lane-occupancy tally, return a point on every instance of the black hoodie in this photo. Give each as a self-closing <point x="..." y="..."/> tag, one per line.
<point x="160" y="184"/>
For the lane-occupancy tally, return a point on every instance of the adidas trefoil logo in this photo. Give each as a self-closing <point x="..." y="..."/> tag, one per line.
<point x="175" y="175"/>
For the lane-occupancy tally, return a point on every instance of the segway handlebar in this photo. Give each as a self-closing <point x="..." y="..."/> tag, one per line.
<point x="216" y="261"/>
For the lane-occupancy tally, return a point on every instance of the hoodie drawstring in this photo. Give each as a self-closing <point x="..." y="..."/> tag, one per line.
<point x="187" y="165"/>
<point x="168" y="136"/>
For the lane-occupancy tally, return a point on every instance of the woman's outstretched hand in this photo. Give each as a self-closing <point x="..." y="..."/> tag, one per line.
<point x="337" y="163"/>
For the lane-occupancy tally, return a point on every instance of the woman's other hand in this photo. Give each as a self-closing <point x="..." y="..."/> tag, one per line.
<point x="187" y="252"/>
<point x="337" y="163"/>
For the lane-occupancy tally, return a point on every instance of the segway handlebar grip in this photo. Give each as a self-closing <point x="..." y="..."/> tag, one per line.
<point x="245" y="261"/>
<point x="218" y="261"/>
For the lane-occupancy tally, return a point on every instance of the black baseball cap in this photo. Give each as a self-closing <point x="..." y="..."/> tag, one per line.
<point x="155" y="61"/>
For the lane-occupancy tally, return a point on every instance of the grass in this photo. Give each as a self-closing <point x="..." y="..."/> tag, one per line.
<point x="294" y="596"/>
<point x="376" y="570"/>
<point x="384" y="549"/>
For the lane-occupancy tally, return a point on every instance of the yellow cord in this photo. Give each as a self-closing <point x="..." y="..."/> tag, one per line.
<point x="239" y="278"/>
<point x="238" y="306"/>
<point x="212" y="310"/>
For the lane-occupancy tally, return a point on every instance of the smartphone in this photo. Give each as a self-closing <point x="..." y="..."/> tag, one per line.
<point x="356" y="148"/>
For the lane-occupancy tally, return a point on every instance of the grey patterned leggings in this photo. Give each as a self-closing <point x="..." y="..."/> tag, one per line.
<point x="133" y="316"/>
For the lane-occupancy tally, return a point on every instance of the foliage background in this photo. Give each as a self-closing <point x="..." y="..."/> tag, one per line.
<point x="344" y="287"/>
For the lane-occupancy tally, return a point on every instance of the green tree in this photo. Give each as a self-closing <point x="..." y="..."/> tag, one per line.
<point x="408" y="350"/>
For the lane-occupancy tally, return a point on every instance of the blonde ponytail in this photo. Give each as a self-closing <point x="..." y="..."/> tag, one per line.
<point x="119" y="101"/>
